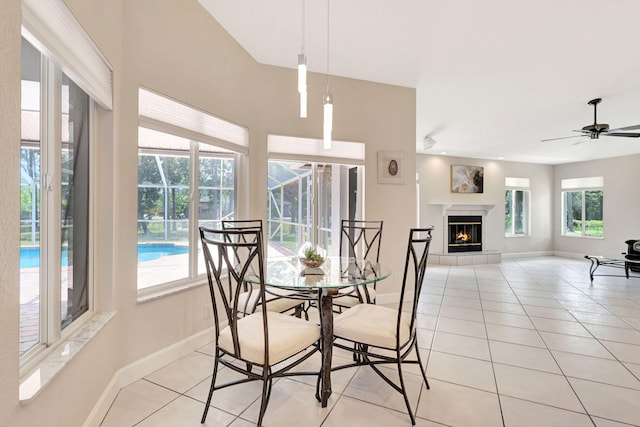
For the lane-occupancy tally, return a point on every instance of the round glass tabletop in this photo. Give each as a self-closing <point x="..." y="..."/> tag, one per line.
<point x="335" y="272"/>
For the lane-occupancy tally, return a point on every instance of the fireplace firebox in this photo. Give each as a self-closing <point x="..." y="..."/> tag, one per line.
<point x="465" y="233"/>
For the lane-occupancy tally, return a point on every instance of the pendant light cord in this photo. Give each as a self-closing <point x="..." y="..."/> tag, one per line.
<point x="328" y="2"/>
<point x="303" y="26"/>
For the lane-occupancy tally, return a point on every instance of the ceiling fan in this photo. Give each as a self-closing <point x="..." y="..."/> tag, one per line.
<point x="596" y="129"/>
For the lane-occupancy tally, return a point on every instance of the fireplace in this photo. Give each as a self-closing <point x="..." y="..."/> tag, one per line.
<point x="464" y="233"/>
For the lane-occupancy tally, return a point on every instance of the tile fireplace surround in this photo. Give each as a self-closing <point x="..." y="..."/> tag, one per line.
<point x="442" y="256"/>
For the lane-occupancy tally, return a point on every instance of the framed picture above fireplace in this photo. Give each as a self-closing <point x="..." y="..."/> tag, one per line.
<point x="467" y="179"/>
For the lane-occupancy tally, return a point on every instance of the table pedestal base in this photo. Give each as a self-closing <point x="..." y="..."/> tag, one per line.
<point x="326" y="325"/>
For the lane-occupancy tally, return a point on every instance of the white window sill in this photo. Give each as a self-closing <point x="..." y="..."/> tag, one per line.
<point x="161" y="291"/>
<point x="48" y="369"/>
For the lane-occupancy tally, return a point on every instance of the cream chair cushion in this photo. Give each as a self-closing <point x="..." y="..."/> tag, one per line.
<point x="371" y="324"/>
<point x="288" y="335"/>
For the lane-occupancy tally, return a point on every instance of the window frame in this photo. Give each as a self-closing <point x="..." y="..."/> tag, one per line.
<point x="527" y="208"/>
<point x="50" y="145"/>
<point x="283" y="148"/>
<point x="583" y="232"/>
<point x="582" y="185"/>
<point x="313" y="199"/>
<point x="163" y="114"/>
<point x="193" y="277"/>
<point x="514" y="185"/>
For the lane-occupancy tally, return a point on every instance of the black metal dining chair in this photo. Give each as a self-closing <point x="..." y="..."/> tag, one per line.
<point x="250" y="344"/>
<point x="278" y="300"/>
<point x="382" y="335"/>
<point x="361" y="241"/>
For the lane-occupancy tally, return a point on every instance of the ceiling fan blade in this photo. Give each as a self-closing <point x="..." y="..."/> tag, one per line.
<point x="628" y="135"/>
<point x="563" y="137"/>
<point x="583" y="140"/>
<point x="625" y="128"/>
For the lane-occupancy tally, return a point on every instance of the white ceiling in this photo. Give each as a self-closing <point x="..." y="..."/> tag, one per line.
<point x="492" y="77"/>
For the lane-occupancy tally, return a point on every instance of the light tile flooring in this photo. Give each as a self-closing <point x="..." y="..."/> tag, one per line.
<point x="528" y="342"/>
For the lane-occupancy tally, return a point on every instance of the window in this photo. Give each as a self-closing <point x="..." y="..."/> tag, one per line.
<point x="183" y="183"/>
<point x="582" y="207"/>
<point x="55" y="206"/>
<point x="516" y="207"/>
<point x="308" y="196"/>
<point x="164" y="203"/>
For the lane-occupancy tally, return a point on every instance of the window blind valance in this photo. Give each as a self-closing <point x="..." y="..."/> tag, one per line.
<point x="308" y="149"/>
<point x="580" y="183"/>
<point x="51" y="27"/>
<point x="517" y="182"/>
<point x="167" y="115"/>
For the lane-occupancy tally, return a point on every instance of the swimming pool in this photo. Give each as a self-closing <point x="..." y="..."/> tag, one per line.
<point x="30" y="257"/>
<point x="151" y="251"/>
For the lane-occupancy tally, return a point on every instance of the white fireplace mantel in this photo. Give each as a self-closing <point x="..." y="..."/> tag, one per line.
<point x="447" y="207"/>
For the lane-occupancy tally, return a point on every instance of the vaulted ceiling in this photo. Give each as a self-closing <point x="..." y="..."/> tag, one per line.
<point x="493" y="78"/>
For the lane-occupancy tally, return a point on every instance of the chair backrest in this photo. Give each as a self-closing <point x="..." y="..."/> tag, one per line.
<point x="243" y="224"/>
<point x="230" y="256"/>
<point x="415" y="267"/>
<point x="361" y="239"/>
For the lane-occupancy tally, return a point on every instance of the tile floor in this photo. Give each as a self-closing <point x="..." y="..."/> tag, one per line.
<point x="528" y="342"/>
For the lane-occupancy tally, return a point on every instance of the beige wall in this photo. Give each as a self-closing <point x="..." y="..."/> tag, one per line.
<point x="177" y="49"/>
<point x="620" y="207"/>
<point x="10" y="206"/>
<point x="435" y="183"/>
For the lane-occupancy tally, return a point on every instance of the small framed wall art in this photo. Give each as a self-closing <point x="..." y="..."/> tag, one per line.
<point x="467" y="179"/>
<point x="391" y="165"/>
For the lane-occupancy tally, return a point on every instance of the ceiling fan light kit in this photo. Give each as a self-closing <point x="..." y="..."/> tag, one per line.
<point x="596" y="128"/>
<point x="428" y="142"/>
<point x="593" y="131"/>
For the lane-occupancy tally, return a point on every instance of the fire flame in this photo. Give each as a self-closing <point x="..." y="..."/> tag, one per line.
<point x="463" y="236"/>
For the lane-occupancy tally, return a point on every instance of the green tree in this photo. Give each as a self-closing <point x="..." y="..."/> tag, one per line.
<point x="508" y="197"/>
<point x="593" y="204"/>
<point x="176" y="169"/>
<point x="149" y="193"/>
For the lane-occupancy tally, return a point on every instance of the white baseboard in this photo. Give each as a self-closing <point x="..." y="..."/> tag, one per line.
<point x="142" y="367"/>
<point x="103" y="404"/>
<point x="569" y="254"/>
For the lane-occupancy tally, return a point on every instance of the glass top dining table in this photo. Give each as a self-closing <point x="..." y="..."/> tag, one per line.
<point x="321" y="283"/>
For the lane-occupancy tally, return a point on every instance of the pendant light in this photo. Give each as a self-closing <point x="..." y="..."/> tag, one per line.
<point x="327" y="100"/>
<point x="328" y="120"/>
<point x="302" y="71"/>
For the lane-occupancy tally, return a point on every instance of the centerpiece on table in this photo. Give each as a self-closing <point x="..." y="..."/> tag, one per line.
<point x="312" y="258"/>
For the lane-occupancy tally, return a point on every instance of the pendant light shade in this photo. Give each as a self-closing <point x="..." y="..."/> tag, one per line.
<point x="302" y="72"/>
<point x="327" y="100"/>
<point x="302" y="84"/>
<point x="328" y="120"/>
